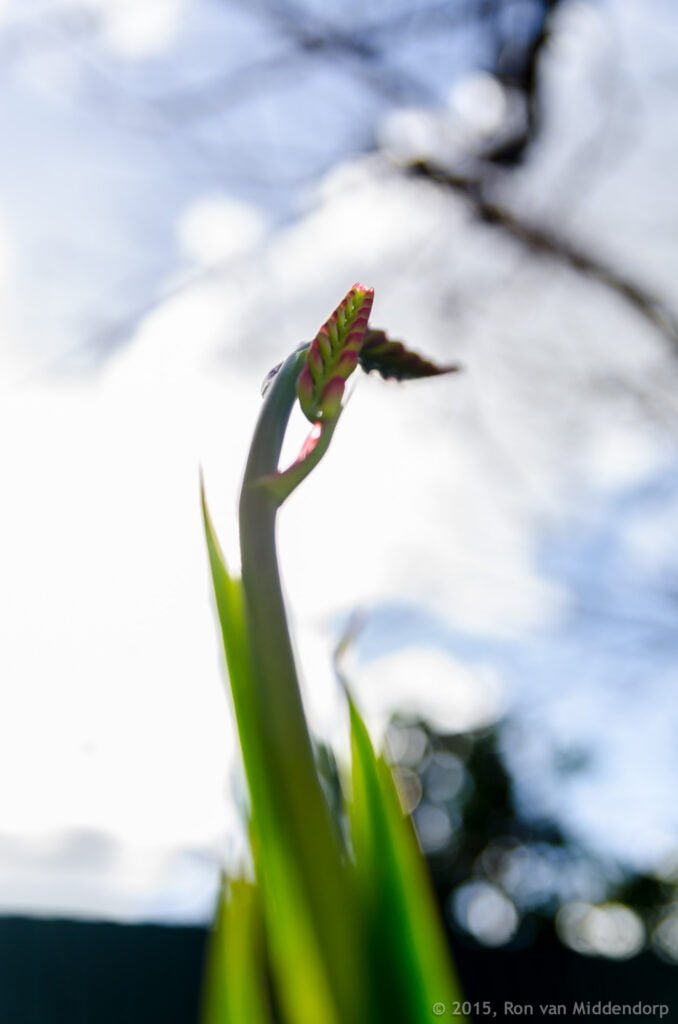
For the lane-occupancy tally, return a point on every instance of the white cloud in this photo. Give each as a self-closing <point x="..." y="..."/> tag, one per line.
<point x="216" y="228"/>
<point x="139" y="29"/>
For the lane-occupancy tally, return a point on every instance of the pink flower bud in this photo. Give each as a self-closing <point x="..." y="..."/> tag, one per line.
<point x="330" y="401"/>
<point x="333" y="355"/>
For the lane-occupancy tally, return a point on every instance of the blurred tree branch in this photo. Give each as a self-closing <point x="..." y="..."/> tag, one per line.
<point x="363" y="47"/>
<point x="543" y="241"/>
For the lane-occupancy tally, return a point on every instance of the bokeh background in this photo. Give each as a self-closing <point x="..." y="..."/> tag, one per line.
<point x="186" y="191"/>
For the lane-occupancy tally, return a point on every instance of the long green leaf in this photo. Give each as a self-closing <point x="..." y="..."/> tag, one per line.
<point x="304" y="976"/>
<point x="407" y="946"/>
<point x="231" y="612"/>
<point x="236" y="986"/>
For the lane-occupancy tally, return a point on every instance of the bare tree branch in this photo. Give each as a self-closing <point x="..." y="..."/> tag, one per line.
<point x="545" y="242"/>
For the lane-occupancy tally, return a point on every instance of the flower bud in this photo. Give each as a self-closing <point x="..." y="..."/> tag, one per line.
<point x="333" y="355"/>
<point x="330" y="401"/>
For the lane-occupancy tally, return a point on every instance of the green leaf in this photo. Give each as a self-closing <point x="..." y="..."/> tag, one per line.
<point x="319" y="975"/>
<point x="394" y="361"/>
<point x="408" y="951"/>
<point x="229" y="597"/>
<point x="236" y="983"/>
<point x="304" y="982"/>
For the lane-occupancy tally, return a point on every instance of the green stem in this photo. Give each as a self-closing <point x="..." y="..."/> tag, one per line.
<point x="301" y="805"/>
<point x="267" y="623"/>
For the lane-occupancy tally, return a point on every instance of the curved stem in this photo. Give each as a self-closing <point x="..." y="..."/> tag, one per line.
<point x="304" y="814"/>
<point x="267" y="622"/>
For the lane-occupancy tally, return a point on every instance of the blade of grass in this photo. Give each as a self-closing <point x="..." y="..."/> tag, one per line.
<point x="236" y="987"/>
<point x="303" y="982"/>
<point x="297" y="926"/>
<point x="231" y="613"/>
<point x="407" y="945"/>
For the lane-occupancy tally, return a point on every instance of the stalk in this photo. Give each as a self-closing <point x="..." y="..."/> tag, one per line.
<point x="300" y="804"/>
<point x="345" y="936"/>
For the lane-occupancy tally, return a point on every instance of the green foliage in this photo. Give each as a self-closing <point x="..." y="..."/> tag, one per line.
<point x="327" y="932"/>
<point x="237" y="987"/>
<point x="407" y="948"/>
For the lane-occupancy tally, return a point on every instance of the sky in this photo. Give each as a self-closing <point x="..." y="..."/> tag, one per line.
<point x="511" y="530"/>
